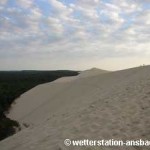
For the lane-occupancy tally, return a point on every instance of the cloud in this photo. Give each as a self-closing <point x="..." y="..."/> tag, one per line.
<point x="128" y="6"/>
<point x="143" y="18"/>
<point x="80" y="30"/>
<point x="3" y="2"/>
<point x="60" y="10"/>
<point x="87" y="3"/>
<point x="26" y="3"/>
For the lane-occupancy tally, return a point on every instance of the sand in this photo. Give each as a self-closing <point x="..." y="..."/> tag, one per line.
<point x="108" y="105"/>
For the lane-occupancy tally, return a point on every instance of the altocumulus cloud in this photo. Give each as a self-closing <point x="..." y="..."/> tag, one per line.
<point x="74" y="34"/>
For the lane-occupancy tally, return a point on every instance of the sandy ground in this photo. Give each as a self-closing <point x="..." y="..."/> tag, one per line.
<point x="113" y="105"/>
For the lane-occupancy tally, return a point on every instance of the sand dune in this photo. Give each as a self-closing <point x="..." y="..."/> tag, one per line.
<point x="83" y="74"/>
<point x="93" y="105"/>
<point x="48" y="97"/>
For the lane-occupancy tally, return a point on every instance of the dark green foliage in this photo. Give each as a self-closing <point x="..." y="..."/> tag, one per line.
<point x="7" y="127"/>
<point x="14" y="83"/>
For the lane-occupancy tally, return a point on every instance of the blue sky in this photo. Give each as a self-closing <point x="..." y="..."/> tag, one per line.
<point x="74" y="34"/>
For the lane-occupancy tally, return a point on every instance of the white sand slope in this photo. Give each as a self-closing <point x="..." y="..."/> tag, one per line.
<point x="113" y="105"/>
<point x="48" y="98"/>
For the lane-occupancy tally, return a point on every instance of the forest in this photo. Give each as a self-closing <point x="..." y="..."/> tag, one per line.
<point x="15" y="83"/>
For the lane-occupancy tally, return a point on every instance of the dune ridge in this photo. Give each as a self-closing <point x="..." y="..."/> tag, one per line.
<point x="112" y="105"/>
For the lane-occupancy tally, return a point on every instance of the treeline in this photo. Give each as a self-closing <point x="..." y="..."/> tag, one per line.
<point x="13" y="84"/>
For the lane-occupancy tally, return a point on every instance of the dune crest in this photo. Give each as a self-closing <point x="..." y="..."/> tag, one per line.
<point x="83" y="74"/>
<point x="92" y="72"/>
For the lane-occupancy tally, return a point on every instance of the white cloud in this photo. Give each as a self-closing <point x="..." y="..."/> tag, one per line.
<point x="3" y="2"/>
<point x="25" y="3"/>
<point x="88" y="3"/>
<point x="58" y="5"/>
<point x="143" y="18"/>
<point x="112" y="17"/>
<point x="142" y="1"/>
<point x="90" y="14"/>
<point x="127" y="6"/>
<point x="60" y="10"/>
<point x="55" y="25"/>
<point x="84" y="30"/>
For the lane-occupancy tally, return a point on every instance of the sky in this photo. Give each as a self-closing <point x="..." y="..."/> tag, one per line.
<point x="74" y="34"/>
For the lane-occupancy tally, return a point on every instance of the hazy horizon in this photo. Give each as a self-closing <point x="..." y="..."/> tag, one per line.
<point x="70" y="69"/>
<point x="74" y="34"/>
